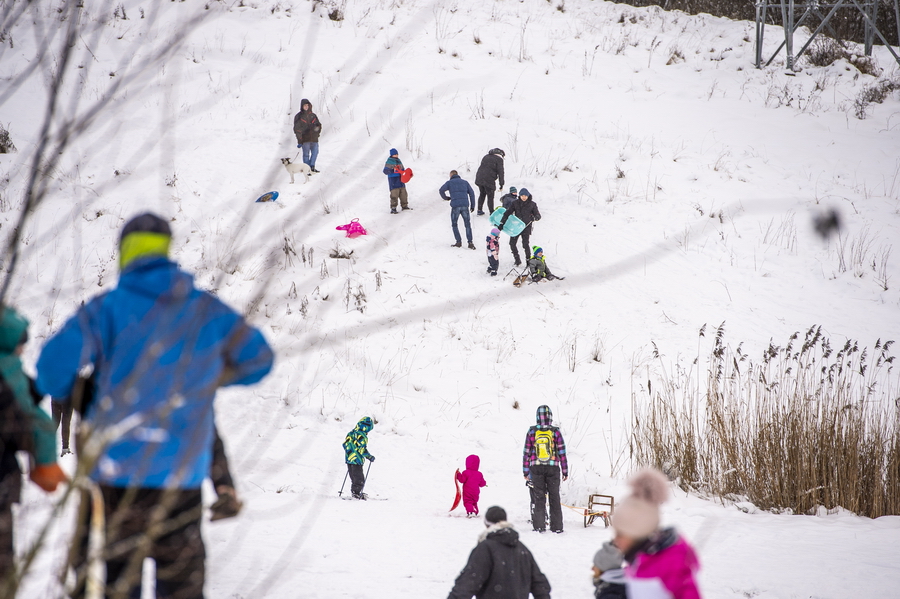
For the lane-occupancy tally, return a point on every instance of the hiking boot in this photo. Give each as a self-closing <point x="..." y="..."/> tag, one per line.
<point x="226" y="506"/>
<point x="458" y="244"/>
<point x="393" y="211"/>
<point x="407" y="208"/>
<point x="493" y="274"/>
<point x="481" y="213"/>
<point x="312" y="169"/>
<point x="471" y="246"/>
<point x="360" y="496"/>
<point x="518" y="262"/>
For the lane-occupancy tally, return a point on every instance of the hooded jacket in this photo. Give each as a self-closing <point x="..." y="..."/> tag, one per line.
<point x="160" y="348"/>
<point x="662" y="566"/>
<point x="472" y="479"/>
<point x="500" y="567"/>
<point x="355" y="450"/>
<point x="12" y="329"/>
<point x="529" y="455"/>
<point x="490" y="170"/>
<point x="461" y="193"/>
<point x="306" y="124"/>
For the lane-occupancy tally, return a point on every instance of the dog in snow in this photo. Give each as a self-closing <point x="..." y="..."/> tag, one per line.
<point x="294" y="168"/>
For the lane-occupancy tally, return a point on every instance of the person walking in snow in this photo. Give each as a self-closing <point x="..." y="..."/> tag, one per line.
<point x="160" y="348"/>
<point x="472" y="480"/>
<point x="526" y="211"/>
<point x="462" y="203"/>
<point x="660" y="562"/>
<point x="356" y="452"/>
<point x="493" y="251"/>
<point x="510" y="198"/>
<point x="486" y="176"/>
<point x="500" y="566"/>
<point x="307" y="128"/>
<point x="543" y="457"/>
<point x="608" y="576"/>
<point x="393" y="168"/>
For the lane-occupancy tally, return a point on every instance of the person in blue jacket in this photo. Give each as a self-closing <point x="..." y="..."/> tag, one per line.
<point x="159" y="348"/>
<point x="462" y="203"/>
<point x="393" y="168"/>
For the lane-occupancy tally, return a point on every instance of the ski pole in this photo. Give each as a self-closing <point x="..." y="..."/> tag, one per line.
<point x="367" y="471"/>
<point x="344" y="483"/>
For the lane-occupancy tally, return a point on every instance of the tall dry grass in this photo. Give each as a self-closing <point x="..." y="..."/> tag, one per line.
<point x="804" y="426"/>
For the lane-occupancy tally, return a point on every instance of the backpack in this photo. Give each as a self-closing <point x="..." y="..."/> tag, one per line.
<point x="544" y="447"/>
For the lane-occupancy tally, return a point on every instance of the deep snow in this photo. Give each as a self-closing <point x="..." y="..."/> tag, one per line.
<point x="672" y="196"/>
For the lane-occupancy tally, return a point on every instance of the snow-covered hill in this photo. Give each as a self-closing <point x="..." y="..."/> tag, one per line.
<point x="678" y="186"/>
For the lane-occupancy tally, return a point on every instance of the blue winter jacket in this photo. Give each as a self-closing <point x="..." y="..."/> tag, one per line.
<point x="459" y="190"/>
<point x="390" y="169"/>
<point x="160" y="348"/>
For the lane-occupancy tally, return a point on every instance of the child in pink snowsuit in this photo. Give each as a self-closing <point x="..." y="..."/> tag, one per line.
<point x="472" y="480"/>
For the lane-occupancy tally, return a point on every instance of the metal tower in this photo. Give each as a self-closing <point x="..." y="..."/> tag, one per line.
<point x="790" y="9"/>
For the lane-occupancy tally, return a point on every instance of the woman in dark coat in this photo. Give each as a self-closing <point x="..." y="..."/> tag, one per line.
<point x="490" y="170"/>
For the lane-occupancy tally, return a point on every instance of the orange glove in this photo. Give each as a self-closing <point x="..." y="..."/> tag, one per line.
<point x="48" y="476"/>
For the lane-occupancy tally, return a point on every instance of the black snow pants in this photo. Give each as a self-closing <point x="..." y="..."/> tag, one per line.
<point x="546" y="483"/>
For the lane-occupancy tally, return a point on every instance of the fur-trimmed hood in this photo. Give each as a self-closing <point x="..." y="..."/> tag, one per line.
<point x="502" y="532"/>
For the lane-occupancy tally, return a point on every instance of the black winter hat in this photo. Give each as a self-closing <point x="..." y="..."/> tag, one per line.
<point x="146" y="223"/>
<point x="498" y="151"/>
<point x="304" y="102"/>
<point x="495" y="514"/>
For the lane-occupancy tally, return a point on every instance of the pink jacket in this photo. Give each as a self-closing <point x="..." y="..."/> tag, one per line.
<point x="666" y="574"/>
<point x="472" y="480"/>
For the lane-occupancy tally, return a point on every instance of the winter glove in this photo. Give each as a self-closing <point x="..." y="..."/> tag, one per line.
<point x="371" y="458"/>
<point x="48" y="476"/>
<point x="299" y="145"/>
<point x="471" y="210"/>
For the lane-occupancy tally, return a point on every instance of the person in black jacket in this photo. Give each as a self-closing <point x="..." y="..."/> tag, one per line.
<point x="526" y="211"/>
<point x="500" y="566"/>
<point x="490" y="170"/>
<point x="15" y="435"/>
<point x="307" y="128"/>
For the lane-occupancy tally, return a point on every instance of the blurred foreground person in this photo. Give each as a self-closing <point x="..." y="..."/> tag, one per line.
<point x="159" y="348"/>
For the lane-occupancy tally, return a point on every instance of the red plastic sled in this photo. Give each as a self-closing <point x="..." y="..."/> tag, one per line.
<point x="458" y="493"/>
<point x="406" y="176"/>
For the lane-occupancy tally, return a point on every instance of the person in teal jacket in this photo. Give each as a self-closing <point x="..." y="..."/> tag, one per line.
<point x="160" y="348"/>
<point x="356" y="452"/>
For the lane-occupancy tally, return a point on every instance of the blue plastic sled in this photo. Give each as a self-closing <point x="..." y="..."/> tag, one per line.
<point x="513" y="226"/>
<point x="268" y="197"/>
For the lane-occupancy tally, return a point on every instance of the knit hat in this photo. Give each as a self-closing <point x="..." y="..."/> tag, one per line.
<point x="494" y="515"/>
<point x="513" y="190"/>
<point x="393" y="152"/>
<point x="637" y="516"/>
<point x="608" y="557"/>
<point x="143" y="236"/>
<point x="495" y="231"/>
<point x="524" y="192"/>
<point x="536" y="249"/>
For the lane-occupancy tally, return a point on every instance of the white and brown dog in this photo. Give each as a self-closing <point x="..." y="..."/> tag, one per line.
<point x="294" y="168"/>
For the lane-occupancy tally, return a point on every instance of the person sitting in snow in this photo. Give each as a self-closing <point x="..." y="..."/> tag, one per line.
<point x="356" y="453"/>
<point x="537" y="265"/>
<point x="472" y="480"/>
<point x="609" y="578"/>
<point x="493" y="251"/>
<point x="500" y="566"/>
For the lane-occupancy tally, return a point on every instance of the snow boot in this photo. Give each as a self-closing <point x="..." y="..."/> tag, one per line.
<point x="393" y="211"/>
<point x="360" y="496"/>
<point x="406" y="208"/>
<point x="458" y="244"/>
<point x="471" y="246"/>
<point x="226" y="506"/>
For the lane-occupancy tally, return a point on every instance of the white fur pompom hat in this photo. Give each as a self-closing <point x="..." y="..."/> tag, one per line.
<point x="637" y="516"/>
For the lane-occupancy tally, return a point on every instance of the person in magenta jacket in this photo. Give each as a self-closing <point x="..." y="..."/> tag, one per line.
<point x="661" y="564"/>
<point x="472" y="480"/>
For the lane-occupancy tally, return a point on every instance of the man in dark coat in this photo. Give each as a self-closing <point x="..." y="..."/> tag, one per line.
<point x="490" y="170"/>
<point x="307" y="128"/>
<point x="500" y="566"/>
<point x="526" y="211"/>
<point x="462" y="202"/>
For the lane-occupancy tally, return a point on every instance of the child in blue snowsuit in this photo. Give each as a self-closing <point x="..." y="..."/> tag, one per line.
<point x="472" y="480"/>
<point x="493" y="251"/>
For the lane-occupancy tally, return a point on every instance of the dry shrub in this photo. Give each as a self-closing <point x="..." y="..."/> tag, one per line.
<point x="876" y="92"/>
<point x="825" y="51"/>
<point x="804" y="427"/>
<point x="6" y="144"/>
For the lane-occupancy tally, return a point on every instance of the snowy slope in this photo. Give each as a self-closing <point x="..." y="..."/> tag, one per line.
<point x="673" y="195"/>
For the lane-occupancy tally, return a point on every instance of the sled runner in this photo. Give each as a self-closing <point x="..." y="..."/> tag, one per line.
<point x="595" y="501"/>
<point x="513" y="226"/>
